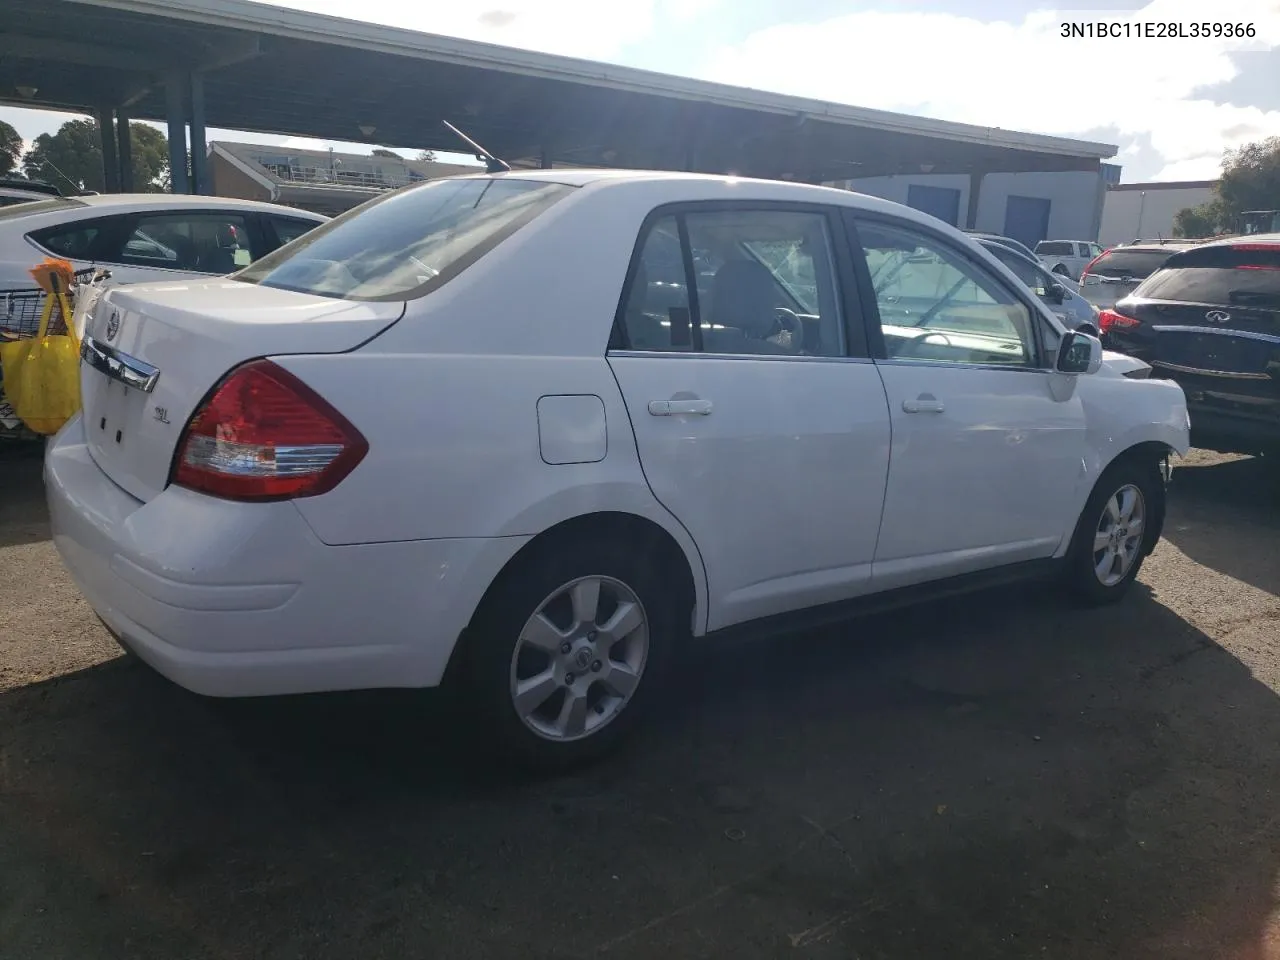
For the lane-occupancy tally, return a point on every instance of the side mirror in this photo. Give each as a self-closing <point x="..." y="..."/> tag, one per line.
<point x="1056" y="292"/>
<point x="1079" y="353"/>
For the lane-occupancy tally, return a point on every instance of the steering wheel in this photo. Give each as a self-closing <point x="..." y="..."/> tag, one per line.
<point x="909" y="349"/>
<point x="790" y="322"/>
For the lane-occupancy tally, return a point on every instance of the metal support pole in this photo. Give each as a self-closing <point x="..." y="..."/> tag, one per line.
<point x="199" y="150"/>
<point x="975" y="194"/>
<point x="175" y="114"/>
<point x="124" y="141"/>
<point x="107" y="137"/>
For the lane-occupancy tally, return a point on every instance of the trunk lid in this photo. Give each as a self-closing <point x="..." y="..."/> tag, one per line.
<point x="153" y="352"/>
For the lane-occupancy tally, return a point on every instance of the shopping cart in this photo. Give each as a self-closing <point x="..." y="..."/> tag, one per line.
<point x="20" y="311"/>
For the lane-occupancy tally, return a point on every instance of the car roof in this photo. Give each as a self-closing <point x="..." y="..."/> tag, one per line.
<point x="183" y="201"/>
<point x="1242" y="238"/>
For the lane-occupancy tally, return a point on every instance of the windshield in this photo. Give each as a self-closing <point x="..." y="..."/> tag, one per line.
<point x="404" y="244"/>
<point x="1219" y="275"/>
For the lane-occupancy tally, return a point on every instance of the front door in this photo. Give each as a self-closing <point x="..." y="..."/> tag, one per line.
<point x="757" y="425"/>
<point x="987" y="442"/>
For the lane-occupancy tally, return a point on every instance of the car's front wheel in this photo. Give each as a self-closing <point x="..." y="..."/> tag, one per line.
<point x="568" y="649"/>
<point x="1116" y="531"/>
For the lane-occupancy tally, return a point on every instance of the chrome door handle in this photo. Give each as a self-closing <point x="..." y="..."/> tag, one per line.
<point x="674" y="408"/>
<point x="923" y="404"/>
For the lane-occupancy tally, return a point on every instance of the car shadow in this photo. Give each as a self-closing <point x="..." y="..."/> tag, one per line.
<point x="24" y="517"/>
<point x="1210" y="501"/>
<point x="996" y="776"/>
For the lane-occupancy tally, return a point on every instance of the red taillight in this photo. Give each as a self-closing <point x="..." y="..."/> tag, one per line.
<point x="1110" y="319"/>
<point x="266" y="435"/>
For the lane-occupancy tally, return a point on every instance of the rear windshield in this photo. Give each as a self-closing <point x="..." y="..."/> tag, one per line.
<point x="1135" y="264"/>
<point x="1248" y="275"/>
<point x="1055" y="248"/>
<point x="406" y="243"/>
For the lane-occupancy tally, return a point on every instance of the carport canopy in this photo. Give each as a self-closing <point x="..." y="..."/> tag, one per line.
<point x="247" y="66"/>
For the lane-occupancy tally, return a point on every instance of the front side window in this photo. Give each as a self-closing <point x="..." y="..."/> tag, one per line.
<point x="1026" y="271"/>
<point x="404" y="244"/>
<point x="740" y="282"/>
<point x="936" y="304"/>
<point x="289" y="229"/>
<point x="196" y="242"/>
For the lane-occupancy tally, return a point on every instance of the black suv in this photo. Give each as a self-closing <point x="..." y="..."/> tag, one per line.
<point x="1209" y="319"/>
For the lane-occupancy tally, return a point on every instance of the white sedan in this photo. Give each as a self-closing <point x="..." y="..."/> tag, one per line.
<point x="534" y="434"/>
<point x="144" y="236"/>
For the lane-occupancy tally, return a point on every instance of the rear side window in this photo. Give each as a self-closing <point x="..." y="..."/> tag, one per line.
<point x="1054" y="248"/>
<point x="73" y="240"/>
<point x="763" y="284"/>
<point x="1245" y="275"/>
<point x="406" y="243"/>
<point x="1135" y="264"/>
<point x="199" y="242"/>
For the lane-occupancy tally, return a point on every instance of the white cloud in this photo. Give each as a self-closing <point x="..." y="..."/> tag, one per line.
<point x="1023" y="76"/>
<point x="573" y="28"/>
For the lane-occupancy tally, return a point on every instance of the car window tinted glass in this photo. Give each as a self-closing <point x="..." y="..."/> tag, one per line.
<point x="1054" y="248"/>
<point x="74" y="240"/>
<point x="1219" y="276"/>
<point x="1123" y="262"/>
<point x="405" y="243"/>
<point x="764" y="285"/>
<point x="214" y="243"/>
<point x="289" y="229"/>
<point x="937" y="304"/>
<point x="1023" y="269"/>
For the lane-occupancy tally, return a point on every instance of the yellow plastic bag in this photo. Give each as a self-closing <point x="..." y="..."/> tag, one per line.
<point x="42" y="375"/>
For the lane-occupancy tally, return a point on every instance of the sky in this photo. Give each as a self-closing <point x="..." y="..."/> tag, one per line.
<point x="1172" y="106"/>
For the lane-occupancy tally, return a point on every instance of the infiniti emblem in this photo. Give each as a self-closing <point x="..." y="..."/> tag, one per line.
<point x="113" y="324"/>
<point x="1217" y="316"/>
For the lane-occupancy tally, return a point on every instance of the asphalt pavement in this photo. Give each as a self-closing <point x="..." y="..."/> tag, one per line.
<point x="997" y="776"/>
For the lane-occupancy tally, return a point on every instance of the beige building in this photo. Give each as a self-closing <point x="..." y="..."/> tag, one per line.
<point x="323" y="181"/>
<point x="1145" y="211"/>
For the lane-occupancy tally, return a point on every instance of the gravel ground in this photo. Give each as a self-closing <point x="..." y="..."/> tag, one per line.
<point x="999" y="776"/>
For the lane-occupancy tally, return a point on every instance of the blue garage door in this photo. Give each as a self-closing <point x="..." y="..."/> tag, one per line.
<point x="940" y="202"/>
<point x="1026" y="219"/>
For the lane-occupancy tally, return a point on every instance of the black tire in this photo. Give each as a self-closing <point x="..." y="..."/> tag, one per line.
<point x="519" y="593"/>
<point x="1083" y="580"/>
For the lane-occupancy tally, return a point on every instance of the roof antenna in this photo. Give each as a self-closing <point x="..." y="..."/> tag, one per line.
<point x="491" y="163"/>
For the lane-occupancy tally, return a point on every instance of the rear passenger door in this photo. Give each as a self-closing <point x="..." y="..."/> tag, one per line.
<point x="759" y="418"/>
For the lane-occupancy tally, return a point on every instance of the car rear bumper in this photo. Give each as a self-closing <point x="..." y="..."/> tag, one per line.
<point x="233" y="599"/>
<point x="1218" y="430"/>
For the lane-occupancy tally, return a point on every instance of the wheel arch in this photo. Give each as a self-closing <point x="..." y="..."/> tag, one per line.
<point x="678" y="554"/>
<point x="1156" y="454"/>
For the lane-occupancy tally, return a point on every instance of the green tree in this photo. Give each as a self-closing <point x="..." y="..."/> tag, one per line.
<point x="384" y="152"/>
<point x="427" y="155"/>
<point x="1250" y="181"/>
<point x="72" y="157"/>
<point x="1205" y="220"/>
<point x="10" y="148"/>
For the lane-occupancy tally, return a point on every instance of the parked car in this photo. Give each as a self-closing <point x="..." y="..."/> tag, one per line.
<point x="1067" y="257"/>
<point x="490" y="431"/>
<point x="144" y="236"/>
<point x="1116" y="273"/>
<point x="1075" y="312"/>
<point x="20" y="190"/>
<point x="1209" y="319"/>
<point x="1009" y="242"/>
